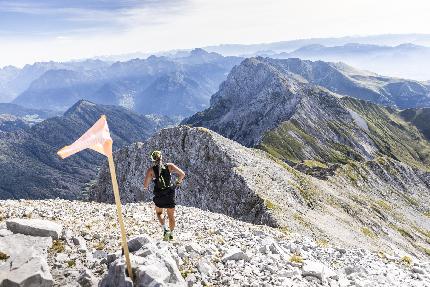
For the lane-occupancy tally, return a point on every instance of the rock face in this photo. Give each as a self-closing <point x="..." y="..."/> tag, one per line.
<point x="35" y="227"/>
<point x="222" y="176"/>
<point x="345" y="80"/>
<point x="264" y="104"/>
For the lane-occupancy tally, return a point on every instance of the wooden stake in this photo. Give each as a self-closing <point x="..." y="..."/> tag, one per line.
<point x="119" y="211"/>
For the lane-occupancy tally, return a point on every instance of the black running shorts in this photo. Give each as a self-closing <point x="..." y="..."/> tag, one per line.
<point x="165" y="198"/>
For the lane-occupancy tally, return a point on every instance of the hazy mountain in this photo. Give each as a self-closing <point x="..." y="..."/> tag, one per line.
<point x="14" y="81"/>
<point x="30" y="167"/>
<point x="289" y="46"/>
<point x="405" y="60"/>
<point x="263" y="104"/>
<point x="176" y="87"/>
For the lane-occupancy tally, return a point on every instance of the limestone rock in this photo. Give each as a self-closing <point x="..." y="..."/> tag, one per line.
<point x="35" y="227"/>
<point x="318" y="270"/>
<point x="27" y="264"/>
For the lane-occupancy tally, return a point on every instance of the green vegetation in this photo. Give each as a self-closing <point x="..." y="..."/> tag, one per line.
<point x="71" y="263"/>
<point x="369" y="233"/>
<point x="3" y="256"/>
<point x="384" y="205"/>
<point x="427" y="213"/>
<point x="100" y="245"/>
<point x="323" y="243"/>
<point x="404" y="233"/>
<point x="285" y="230"/>
<point x="269" y="205"/>
<point x="300" y="219"/>
<point x="314" y="163"/>
<point x="282" y="142"/>
<point x="392" y="135"/>
<point x="296" y="259"/>
<point x="407" y="260"/>
<point x="57" y="246"/>
<point x="186" y="272"/>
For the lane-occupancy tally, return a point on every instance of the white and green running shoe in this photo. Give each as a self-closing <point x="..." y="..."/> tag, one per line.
<point x="166" y="235"/>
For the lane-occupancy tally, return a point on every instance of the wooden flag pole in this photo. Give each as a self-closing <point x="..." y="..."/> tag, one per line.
<point x="119" y="211"/>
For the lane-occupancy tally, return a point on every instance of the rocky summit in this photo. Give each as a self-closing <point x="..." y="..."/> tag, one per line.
<point x="209" y="249"/>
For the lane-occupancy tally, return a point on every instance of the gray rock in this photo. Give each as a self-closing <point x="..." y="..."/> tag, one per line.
<point x="205" y="267"/>
<point x="317" y="270"/>
<point x="35" y="227"/>
<point x="418" y="270"/>
<point x="193" y="247"/>
<point x="236" y="254"/>
<point x="87" y="279"/>
<point x="81" y="243"/>
<point x="5" y="232"/>
<point x="116" y="276"/>
<point x="27" y="264"/>
<point x="138" y="242"/>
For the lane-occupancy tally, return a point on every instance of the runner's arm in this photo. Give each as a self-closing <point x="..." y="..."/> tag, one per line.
<point x="174" y="169"/>
<point x="148" y="178"/>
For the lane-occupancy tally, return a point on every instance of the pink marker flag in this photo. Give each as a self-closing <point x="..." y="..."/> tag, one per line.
<point x="96" y="138"/>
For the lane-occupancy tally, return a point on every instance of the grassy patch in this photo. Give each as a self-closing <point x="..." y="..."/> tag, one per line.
<point x="384" y="205"/>
<point x="369" y="233"/>
<point x="296" y="259"/>
<point x="314" y="163"/>
<point x="300" y="219"/>
<point x="57" y="246"/>
<point x="427" y="213"/>
<point x="186" y="272"/>
<point x="404" y="233"/>
<point x="285" y="230"/>
<point x="407" y="260"/>
<point x="269" y="205"/>
<point x="71" y="263"/>
<point x="100" y="245"/>
<point x="3" y="256"/>
<point x="322" y="243"/>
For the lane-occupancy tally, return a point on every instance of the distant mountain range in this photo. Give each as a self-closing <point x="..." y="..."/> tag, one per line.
<point x="275" y="105"/>
<point x="405" y="60"/>
<point x="176" y="87"/>
<point x="289" y="46"/>
<point x="30" y="167"/>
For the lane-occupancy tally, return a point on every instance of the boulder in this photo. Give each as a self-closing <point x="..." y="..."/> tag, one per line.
<point x="27" y="264"/>
<point x="153" y="265"/>
<point x="317" y="270"/>
<point x="138" y="242"/>
<point x="35" y="227"/>
<point x="87" y="279"/>
<point x="236" y="254"/>
<point x="5" y="232"/>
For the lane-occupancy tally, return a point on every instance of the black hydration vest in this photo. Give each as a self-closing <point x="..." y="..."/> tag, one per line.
<point x="161" y="181"/>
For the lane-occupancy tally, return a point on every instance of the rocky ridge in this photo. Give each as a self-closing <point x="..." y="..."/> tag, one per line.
<point x="209" y="249"/>
<point x="379" y="204"/>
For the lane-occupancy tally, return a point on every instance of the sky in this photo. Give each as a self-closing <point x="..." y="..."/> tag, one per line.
<point x="60" y="30"/>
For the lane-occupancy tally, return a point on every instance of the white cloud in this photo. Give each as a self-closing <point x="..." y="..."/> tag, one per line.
<point x="207" y="22"/>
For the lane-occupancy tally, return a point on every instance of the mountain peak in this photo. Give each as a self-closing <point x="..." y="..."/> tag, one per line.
<point x="79" y="106"/>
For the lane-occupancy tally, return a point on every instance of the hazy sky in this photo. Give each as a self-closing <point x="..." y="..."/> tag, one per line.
<point x="36" y="30"/>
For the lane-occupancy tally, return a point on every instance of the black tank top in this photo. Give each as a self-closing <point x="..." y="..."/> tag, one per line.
<point x="161" y="181"/>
